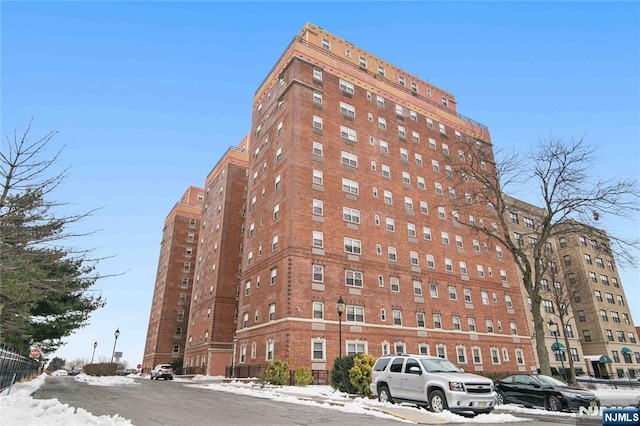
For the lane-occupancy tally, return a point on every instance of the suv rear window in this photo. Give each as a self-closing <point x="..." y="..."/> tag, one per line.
<point x="381" y="364"/>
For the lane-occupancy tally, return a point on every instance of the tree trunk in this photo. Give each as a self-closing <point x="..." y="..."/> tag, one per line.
<point x="572" y="374"/>
<point x="541" y="347"/>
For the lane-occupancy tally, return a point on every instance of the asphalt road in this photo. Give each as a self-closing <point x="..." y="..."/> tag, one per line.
<point x="171" y="403"/>
<point x="154" y="403"/>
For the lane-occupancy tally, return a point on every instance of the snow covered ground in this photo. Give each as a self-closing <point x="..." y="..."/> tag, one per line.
<point x="17" y="407"/>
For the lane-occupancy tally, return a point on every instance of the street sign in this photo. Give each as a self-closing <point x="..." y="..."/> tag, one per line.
<point x="139" y="366"/>
<point x="35" y="353"/>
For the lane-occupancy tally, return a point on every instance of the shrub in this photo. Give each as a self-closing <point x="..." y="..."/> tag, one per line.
<point x="340" y="374"/>
<point x="100" y="369"/>
<point x="360" y="373"/>
<point x="302" y="376"/>
<point x="277" y="372"/>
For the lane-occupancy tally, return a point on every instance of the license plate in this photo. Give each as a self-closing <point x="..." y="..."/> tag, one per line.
<point x="592" y="403"/>
<point x="482" y="404"/>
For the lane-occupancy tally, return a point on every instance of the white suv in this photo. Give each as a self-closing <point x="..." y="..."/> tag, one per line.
<point x="431" y="382"/>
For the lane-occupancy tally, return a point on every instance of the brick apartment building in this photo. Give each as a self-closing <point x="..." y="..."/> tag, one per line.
<point x="212" y="318"/>
<point x="348" y="190"/>
<point x="166" y="333"/>
<point x="343" y="191"/>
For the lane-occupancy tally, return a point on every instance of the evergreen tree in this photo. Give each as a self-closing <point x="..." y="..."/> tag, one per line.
<point x="45" y="286"/>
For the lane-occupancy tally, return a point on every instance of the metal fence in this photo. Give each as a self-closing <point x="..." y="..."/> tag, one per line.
<point x="14" y="366"/>
<point x="320" y="377"/>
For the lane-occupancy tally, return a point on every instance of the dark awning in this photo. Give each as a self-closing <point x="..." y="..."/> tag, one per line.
<point x="605" y="360"/>
<point x="557" y="347"/>
<point x="626" y="351"/>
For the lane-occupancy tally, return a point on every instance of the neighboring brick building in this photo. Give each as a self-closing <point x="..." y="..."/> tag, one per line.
<point x="212" y="319"/>
<point x="166" y="333"/>
<point x="348" y="191"/>
<point x="603" y="317"/>
<point x="523" y="221"/>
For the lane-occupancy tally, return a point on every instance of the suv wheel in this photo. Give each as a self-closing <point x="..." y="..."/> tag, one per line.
<point x="500" y="398"/>
<point x="384" y="395"/>
<point x="437" y="401"/>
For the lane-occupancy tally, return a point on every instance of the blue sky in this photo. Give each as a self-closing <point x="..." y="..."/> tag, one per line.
<point x="146" y="96"/>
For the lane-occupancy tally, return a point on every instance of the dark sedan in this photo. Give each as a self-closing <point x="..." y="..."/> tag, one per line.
<point x="535" y="390"/>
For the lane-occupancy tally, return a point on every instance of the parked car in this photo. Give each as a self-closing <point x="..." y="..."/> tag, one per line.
<point x="536" y="390"/>
<point x="430" y="382"/>
<point x="75" y="371"/>
<point x="162" y="371"/>
<point x="128" y="371"/>
<point x="60" y="373"/>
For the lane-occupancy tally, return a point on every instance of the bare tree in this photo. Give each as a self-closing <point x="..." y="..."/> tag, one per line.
<point x="562" y="178"/>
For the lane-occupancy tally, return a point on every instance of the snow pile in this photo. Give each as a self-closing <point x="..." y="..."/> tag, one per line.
<point x="106" y="380"/>
<point x="19" y="409"/>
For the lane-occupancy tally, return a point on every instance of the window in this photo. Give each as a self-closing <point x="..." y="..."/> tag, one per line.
<point x="269" y="350"/>
<point x="318" y="239"/>
<point x="362" y="61"/>
<point x="615" y="317"/>
<point x="348" y="133"/>
<point x="445" y="238"/>
<point x="317" y="177"/>
<point x="401" y="81"/>
<point x="598" y="295"/>
<point x="402" y="133"/>
<point x="424" y="207"/>
<point x="356" y="348"/>
<point x="380" y="101"/>
<point x="276" y="211"/>
<point x="318" y="208"/>
<point x="394" y="283"/>
<point x="489" y="324"/>
<point x="392" y="254"/>
<point x="352" y="246"/>
<point x="437" y="321"/>
<point x="406" y="178"/>
<point x="433" y="290"/>
<point x="317" y="350"/>
<point x="382" y="123"/>
<point x="317" y="97"/>
<point x="411" y="229"/>
<point x="390" y="224"/>
<point x="348" y="110"/>
<point x="381" y="71"/>
<point x="453" y="294"/>
<point x="346" y="87"/>
<point x="318" y="273"/>
<point x="274" y="275"/>
<point x="514" y="328"/>
<point x="603" y="315"/>
<point x="467" y="295"/>
<point x="386" y="171"/>
<point x="351" y="215"/>
<point x="471" y="322"/>
<point x="397" y="317"/>
<point x="548" y="306"/>
<point x="417" y="288"/>
<point x="442" y="214"/>
<point x="355" y="313"/>
<point x="426" y="232"/>
<point x="317" y="149"/>
<point x="495" y="356"/>
<point x="443" y="129"/>
<point x="388" y="197"/>
<point x="349" y="186"/>
<point x="480" y="270"/>
<point x="404" y="154"/>
<point x="420" y="321"/>
<point x="349" y="159"/>
<point x="317" y="74"/>
<point x="456" y="322"/>
<point x="317" y="122"/>
<point x="431" y="261"/>
<point x="353" y="278"/>
<point x="413" y="255"/>
<point x="485" y="297"/>
<point x="448" y="265"/>
<point x="384" y="147"/>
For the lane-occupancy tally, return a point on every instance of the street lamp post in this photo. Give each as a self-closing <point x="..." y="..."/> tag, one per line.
<point x="340" y="308"/>
<point x="233" y="358"/>
<point x="551" y="324"/>
<point x="113" y="354"/>
<point x="95" y="345"/>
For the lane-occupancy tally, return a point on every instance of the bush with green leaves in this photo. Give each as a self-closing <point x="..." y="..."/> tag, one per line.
<point x="302" y="376"/>
<point x="277" y="372"/>
<point x="340" y="374"/>
<point x="360" y="373"/>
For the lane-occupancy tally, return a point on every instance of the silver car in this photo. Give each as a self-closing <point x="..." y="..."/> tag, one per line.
<point x="162" y="371"/>
<point x="431" y="382"/>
